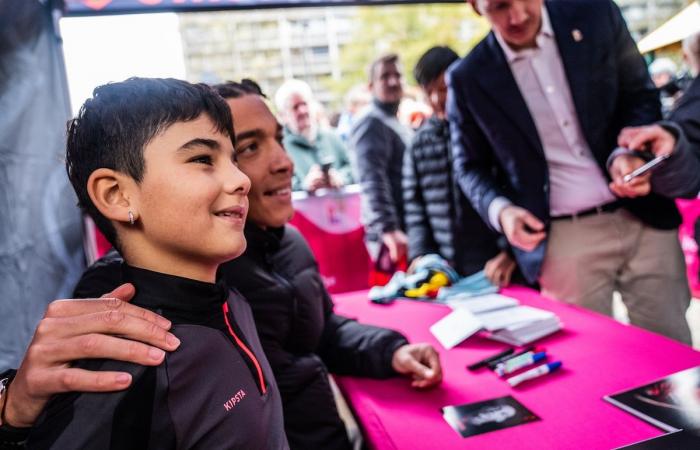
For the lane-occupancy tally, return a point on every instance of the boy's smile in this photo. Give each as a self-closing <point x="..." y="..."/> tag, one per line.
<point x="261" y="156"/>
<point x="192" y="203"/>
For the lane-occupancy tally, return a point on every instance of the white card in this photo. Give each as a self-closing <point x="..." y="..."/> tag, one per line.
<point x="455" y="327"/>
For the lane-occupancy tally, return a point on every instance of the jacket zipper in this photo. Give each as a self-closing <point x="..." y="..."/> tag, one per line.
<point x="246" y="350"/>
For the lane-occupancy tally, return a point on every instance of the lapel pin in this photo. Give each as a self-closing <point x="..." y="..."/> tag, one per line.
<point x="577" y="35"/>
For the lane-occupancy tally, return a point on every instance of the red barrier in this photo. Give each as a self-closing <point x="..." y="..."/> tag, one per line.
<point x="331" y="225"/>
<point x="690" y="210"/>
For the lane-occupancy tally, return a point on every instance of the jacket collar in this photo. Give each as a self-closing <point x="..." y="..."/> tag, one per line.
<point x="497" y="81"/>
<point x="176" y="297"/>
<point x="390" y="109"/>
<point x="297" y="139"/>
<point x="262" y="240"/>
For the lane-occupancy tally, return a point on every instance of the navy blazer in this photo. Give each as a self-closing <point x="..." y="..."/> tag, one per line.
<point x="491" y="126"/>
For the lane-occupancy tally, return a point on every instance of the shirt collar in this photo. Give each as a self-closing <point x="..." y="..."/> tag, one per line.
<point x="546" y="31"/>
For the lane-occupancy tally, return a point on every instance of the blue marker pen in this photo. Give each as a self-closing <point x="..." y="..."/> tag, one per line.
<point x="534" y="373"/>
<point x="519" y="362"/>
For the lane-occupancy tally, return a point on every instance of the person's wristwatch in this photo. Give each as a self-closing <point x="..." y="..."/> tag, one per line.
<point x="10" y="437"/>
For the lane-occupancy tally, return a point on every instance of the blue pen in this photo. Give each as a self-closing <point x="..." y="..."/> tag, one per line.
<point x="517" y="363"/>
<point x="534" y="373"/>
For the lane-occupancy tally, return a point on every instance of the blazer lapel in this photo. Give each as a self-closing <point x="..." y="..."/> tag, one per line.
<point x="575" y="57"/>
<point x="497" y="81"/>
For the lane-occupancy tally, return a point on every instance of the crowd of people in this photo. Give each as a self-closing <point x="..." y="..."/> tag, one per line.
<point x="208" y="325"/>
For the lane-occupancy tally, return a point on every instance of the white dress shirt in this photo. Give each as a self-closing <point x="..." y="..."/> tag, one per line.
<point x="576" y="181"/>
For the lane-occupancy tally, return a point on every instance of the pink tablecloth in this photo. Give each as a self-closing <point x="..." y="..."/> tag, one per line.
<point x="600" y="357"/>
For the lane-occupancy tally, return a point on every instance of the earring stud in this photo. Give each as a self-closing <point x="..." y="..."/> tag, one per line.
<point x="131" y="218"/>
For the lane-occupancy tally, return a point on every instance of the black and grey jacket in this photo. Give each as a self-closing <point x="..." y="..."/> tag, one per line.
<point x="301" y="336"/>
<point x="378" y="142"/>
<point x="438" y="218"/>
<point x="216" y="391"/>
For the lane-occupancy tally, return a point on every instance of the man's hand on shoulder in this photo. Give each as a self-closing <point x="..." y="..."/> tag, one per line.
<point x="521" y="227"/>
<point x="419" y="361"/>
<point x="74" y="329"/>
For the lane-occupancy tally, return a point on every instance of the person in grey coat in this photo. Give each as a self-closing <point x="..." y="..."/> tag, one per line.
<point x="378" y="141"/>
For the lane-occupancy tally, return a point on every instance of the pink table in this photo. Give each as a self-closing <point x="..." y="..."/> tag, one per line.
<point x="600" y="356"/>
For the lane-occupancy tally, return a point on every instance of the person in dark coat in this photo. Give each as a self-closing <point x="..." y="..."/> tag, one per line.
<point x="301" y="336"/>
<point x="377" y="143"/>
<point x="439" y="218"/>
<point x="678" y="136"/>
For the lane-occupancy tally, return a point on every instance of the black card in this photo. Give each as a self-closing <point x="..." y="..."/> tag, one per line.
<point x="678" y="440"/>
<point x="490" y="415"/>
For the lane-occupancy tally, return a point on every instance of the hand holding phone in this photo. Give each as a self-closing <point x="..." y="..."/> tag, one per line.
<point x="645" y="168"/>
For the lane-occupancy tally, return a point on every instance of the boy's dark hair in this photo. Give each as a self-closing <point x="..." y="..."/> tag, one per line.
<point x="433" y="63"/>
<point x="113" y="128"/>
<point x="391" y="58"/>
<point x="235" y="89"/>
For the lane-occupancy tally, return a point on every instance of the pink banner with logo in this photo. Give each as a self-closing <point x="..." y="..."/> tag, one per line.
<point x="330" y="222"/>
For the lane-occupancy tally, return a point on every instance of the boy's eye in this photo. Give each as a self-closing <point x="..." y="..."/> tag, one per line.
<point x="249" y="148"/>
<point x="202" y="159"/>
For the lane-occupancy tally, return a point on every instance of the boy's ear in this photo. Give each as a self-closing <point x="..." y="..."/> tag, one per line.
<point x="113" y="194"/>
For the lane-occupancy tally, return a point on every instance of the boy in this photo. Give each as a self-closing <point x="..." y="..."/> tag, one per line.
<point x="152" y="162"/>
<point x="438" y="218"/>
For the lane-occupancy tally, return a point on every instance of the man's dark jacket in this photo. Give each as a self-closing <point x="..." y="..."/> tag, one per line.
<point x="378" y="142"/>
<point x="679" y="176"/>
<point x="301" y="336"/>
<point x="439" y="219"/>
<point x="491" y="125"/>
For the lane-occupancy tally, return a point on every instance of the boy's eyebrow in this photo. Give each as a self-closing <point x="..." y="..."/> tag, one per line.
<point x="257" y="132"/>
<point x="248" y="134"/>
<point x="200" y="142"/>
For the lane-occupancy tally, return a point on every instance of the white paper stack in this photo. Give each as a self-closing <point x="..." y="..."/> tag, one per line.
<point x="505" y="321"/>
<point x="482" y="303"/>
<point x="520" y="325"/>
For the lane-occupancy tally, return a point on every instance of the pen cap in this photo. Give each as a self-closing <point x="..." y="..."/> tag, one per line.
<point x="539" y="357"/>
<point x="554" y="365"/>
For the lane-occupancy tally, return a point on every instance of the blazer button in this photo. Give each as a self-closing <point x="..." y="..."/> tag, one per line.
<point x="545" y="188"/>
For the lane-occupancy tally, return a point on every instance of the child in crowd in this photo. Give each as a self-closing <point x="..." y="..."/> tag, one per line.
<point x="152" y="162"/>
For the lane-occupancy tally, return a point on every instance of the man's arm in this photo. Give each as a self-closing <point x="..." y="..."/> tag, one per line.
<point x="420" y="237"/>
<point x="343" y="168"/>
<point x="351" y="348"/>
<point x="473" y="164"/>
<point x="677" y="177"/>
<point x="372" y="145"/>
<point x="73" y="329"/>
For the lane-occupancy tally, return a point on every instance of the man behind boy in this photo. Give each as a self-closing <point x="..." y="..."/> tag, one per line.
<point x="439" y="218"/>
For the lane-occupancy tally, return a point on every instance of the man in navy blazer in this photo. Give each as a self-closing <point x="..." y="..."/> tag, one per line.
<point x="535" y="110"/>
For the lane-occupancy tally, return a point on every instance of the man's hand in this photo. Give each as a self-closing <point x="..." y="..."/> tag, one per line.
<point x="315" y="179"/>
<point x="397" y="243"/>
<point x="108" y="327"/>
<point x="521" y="227"/>
<point x="334" y="179"/>
<point x="652" y="137"/>
<point x="499" y="269"/>
<point x="638" y="186"/>
<point x="421" y="362"/>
